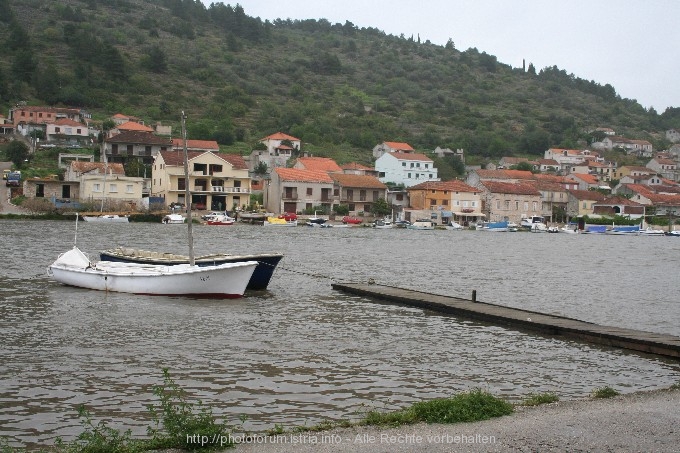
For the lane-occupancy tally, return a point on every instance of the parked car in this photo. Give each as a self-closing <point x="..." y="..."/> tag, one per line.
<point x="352" y="220"/>
<point x="288" y="216"/>
<point x="13" y="179"/>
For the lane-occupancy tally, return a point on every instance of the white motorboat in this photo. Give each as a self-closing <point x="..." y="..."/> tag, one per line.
<point x="421" y="224"/>
<point x="228" y="280"/>
<point x="106" y="218"/>
<point x="173" y="219"/>
<point x="454" y="226"/>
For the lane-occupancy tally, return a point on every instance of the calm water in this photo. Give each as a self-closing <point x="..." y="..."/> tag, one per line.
<point x="301" y="352"/>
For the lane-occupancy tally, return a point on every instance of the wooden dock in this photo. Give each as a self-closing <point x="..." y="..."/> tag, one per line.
<point x="617" y="337"/>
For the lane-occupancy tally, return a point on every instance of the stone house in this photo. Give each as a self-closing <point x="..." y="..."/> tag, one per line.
<point x="358" y="192"/>
<point x="217" y="181"/>
<point x="391" y="147"/>
<point x="510" y="201"/>
<point x="295" y="190"/>
<point x="580" y="202"/>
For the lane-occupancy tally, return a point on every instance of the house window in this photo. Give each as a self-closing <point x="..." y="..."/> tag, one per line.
<point x="309" y="191"/>
<point x="399" y="197"/>
<point x="409" y="175"/>
<point x="39" y="190"/>
<point x="411" y="164"/>
<point x="534" y="206"/>
<point x="403" y="164"/>
<point x="465" y="204"/>
<point x="445" y="202"/>
<point x="473" y="204"/>
<point x="128" y="188"/>
<point x="498" y="204"/>
<point x="79" y="131"/>
<point x="376" y="195"/>
<point x="97" y="187"/>
<point x="418" y="164"/>
<point x="516" y="205"/>
<point x="381" y="174"/>
<point x="350" y="194"/>
<point x="113" y="188"/>
<point x="426" y="165"/>
<point x="433" y="202"/>
<point x="181" y="184"/>
<point x="585" y="205"/>
<point x="57" y="130"/>
<point x="526" y="205"/>
<point x="507" y="205"/>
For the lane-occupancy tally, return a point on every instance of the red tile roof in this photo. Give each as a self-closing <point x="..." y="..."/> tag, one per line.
<point x="318" y="163"/>
<point x="68" y="122"/>
<point x="139" y="137"/>
<point x="588" y="195"/>
<point x="505" y="174"/>
<point x="176" y="158"/>
<point x="451" y="186"/>
<point x="356" y="166"/>
<point x="361" y="181"/>
<point x="511" y="188"/>
<point x="133" y="126"/>
<point x="86" y="167"/>
<point x="399" y="146"/>
<point x="411" y="156"/>
<point x="297" y="175"/>
<point x="281" y="136"/>
<point x="178" y="143"/>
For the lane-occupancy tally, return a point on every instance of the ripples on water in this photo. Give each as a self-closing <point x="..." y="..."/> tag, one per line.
<point x="301" y="352"/>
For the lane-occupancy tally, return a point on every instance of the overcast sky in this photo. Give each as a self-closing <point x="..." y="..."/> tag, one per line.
<point x="631" y="45"/>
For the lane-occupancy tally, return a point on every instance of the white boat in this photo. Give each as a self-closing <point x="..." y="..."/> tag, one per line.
<point x="278" y="222"/>
<point x="535" y="224"/>
<point x="454" y="226"/>
<point x="221" y="220"/>
<point x="227" y="280"/>
<point x="649" y="231"/>
<point x="421" y="224"/>
<point x="316" y="220"/>
<point x="173" y="219"/>
<point x="569" y="229"/>
<point x="221" y="281"/>
<point x="106" y="218"/>
<point x="383" y="224"/>
<point x="501" y="226"/>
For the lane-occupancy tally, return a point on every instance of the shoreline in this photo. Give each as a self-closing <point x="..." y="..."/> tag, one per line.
<point x="639" y="421"/>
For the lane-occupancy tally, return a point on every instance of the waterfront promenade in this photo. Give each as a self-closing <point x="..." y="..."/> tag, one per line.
<point x="638" y="422"/>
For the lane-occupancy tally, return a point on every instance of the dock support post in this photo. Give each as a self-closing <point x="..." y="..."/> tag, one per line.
<point x="474" y="296"/>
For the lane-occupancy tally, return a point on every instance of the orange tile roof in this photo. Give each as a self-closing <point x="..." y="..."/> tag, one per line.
<point x="319" y="163"/>
<point x="176" y="158"/>
<point x="511" y="188"/>
<point x="505" y="174"/>
<point x="68" y="122"/>
<point x="589" y="195"/>
<point x="590" y="179"/>
<point x="453" y="185"/>
<point x="86" y="167"/>
<point x="399" y="146"/>
<point x="281" y="136"/>
<point x="297" y="175"/>
<point x="133" y="126"/>
<point x="362" y="181"/>
<point x="196" y="144"/>
<point x="411" y="156"/>
<point x="356" y="166"/>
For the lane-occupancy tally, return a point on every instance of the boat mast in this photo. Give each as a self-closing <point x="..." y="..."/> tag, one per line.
<point x="187" y="192"/>
<point x="106" y="170"/>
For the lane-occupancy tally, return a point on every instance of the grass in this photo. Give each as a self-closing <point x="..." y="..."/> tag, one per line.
<point x="536" y="399"/>
<point x="471" y="406"/>
<point x="605" y="392"/>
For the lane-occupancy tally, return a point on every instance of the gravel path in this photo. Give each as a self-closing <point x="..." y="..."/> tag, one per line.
<point x="638" y="422"/>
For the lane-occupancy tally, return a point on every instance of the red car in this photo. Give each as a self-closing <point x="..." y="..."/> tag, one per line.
<point x="351" y="220"/>
<point x="288" y="216"/>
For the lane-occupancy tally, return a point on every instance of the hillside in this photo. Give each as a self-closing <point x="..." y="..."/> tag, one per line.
<point x="339" y="88"/>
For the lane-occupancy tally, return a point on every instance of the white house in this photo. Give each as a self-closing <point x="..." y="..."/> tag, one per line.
<point x="277" y="153"/>
<point x="408" y="169"/>
<point x="67" y="130"/>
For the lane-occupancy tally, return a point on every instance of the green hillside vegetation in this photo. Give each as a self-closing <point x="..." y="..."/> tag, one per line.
<point x="339" y="88"/>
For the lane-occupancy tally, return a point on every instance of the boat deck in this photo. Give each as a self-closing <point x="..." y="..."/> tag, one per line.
<point x="618" y="337"/>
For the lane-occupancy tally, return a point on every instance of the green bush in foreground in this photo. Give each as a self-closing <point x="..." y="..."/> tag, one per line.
<point x="466" y="407"/>
<point x="605" y="392"/>
<point x="536" y="399"/>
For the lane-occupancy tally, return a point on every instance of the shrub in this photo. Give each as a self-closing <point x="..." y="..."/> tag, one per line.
<point x="605" y="392"/>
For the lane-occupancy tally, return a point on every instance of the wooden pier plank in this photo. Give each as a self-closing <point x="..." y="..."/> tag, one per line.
<point x="636" y="340"/>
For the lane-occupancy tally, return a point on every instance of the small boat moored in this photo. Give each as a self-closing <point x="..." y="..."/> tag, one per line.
<point x="225" y="281"/>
